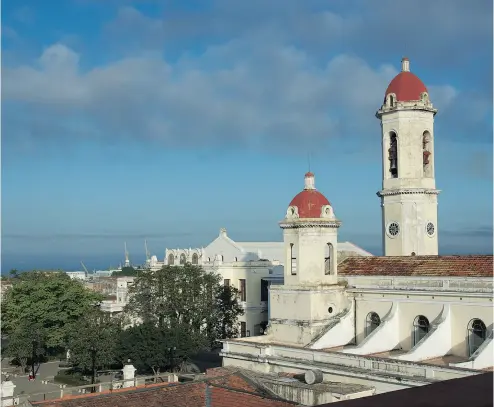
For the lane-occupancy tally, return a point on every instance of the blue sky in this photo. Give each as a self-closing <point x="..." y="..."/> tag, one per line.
<point x="171" y="119"/>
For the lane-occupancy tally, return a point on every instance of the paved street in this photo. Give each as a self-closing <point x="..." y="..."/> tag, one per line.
<point x="24" y="386"/>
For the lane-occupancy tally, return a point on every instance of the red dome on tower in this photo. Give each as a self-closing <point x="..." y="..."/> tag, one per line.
<point x="309" y="202"/>
<point x="406" y="86"/>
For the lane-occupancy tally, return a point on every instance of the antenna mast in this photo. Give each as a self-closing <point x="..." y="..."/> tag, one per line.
<point x="127" y="261"/>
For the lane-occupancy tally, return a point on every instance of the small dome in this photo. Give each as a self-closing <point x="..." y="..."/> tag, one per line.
<point x="309" y="202"/>
<point x="406" y="86"/>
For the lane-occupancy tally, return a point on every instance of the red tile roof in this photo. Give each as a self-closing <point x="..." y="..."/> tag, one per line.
<point x="434" y="266"/>
<point x="406" y="86"/>
<point x="309" y="203"/>
<point x="221" y="397"/>
<point x="224" y="387"/>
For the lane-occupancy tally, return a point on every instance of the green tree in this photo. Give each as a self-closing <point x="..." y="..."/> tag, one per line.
<point x="50" y="301"/>
<point x="125" y="272"/>
<point x="92" y="341"/>
<point x="145" y="346"/>
<point x="20" y="346"/>
<point x="173" y="296"/>
<point x="227" y="312"/>
<point x="153" y="348"/>
<point x="187" y="299"/>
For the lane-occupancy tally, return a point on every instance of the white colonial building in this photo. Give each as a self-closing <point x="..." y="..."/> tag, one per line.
<point x="249" y="266"/>
<point x="405" y="319"/>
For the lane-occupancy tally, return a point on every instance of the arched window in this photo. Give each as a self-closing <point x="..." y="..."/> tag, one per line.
<point x="426" y="153"/>
<point x="182" y="258"/>
<point x="195" y="259"/>
<point x="293" y="260"/>
<point x="391" y="100"/>
<point x="236" y="258"/>
<point x="328" y="259"/>
<point x="372" y="321"/>
<point x="477" y="332"/>
<point x="393" y="155"/>
<point x="222" y="258"/>
<point x="420" y="329"/>
<point x="171" y="259"/>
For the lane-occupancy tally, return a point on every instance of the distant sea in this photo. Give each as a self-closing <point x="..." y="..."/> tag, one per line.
<point x="72" y="262"/>
<point x="64" y="262"/>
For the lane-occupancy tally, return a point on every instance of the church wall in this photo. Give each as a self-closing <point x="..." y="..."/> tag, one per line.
<point x="409" y="311"/>
<point x="464" y="308"/>
<point x="363" y="308"/>
<point x="416" y="283"/>
<point x="462" y="315"/>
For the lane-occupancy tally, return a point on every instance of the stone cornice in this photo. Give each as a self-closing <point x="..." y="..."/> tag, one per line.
<point x="407" y="191"/>
<point x="309" y="223"/>
<point x="401" y="107"/>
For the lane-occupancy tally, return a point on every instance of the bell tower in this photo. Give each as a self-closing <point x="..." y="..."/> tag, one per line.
<point x="409" y="194"/>
<point x="310" y="295"/>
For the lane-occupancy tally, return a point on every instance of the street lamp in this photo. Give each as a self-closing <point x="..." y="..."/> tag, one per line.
<point x="93" y="366"/>
<point x="33" y="359"/>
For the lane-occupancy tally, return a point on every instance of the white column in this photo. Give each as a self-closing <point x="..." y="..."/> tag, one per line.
<point x="8" y="393"/>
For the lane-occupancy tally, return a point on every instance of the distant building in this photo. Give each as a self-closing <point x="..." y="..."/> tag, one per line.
<point x="116" y="304"/>
<point x="79" y="275"/>
<point x="249" y="266"/>
<point x="5" y="284"/>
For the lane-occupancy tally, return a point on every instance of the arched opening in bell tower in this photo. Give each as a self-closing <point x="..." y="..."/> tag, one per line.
<point x="427" y="155"/>
<point x="328" y="259"/>
<point x="293" y="260"/>
<point x="393" y="155"/>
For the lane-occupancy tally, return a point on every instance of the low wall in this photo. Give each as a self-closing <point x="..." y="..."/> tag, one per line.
<point x="382" y="373"/>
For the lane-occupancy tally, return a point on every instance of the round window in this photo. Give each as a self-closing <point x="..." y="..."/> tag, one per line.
<point x="330" y="310"/>
<point x="393" y="229"/>
<point x="430" y="229"/>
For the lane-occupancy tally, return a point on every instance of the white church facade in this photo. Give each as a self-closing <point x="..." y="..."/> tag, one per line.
<point x="251" y="267"/>
<point x="408" y="318"/>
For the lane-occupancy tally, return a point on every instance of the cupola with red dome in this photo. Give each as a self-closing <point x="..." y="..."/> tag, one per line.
<point x="406" y="86"/>
<point x="310" y="203"/>
<point x="406" y="91"/>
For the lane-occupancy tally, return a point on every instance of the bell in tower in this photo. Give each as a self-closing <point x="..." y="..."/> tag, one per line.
<point x="393" y="157"/>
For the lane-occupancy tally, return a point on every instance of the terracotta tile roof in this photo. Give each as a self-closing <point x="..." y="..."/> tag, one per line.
<point x="224" y="389"/>
<point x="221" y="397"/>
<point x="452" y="266"/>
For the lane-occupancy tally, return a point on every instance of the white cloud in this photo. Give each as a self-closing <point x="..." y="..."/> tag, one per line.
<point x="243" y="91"/>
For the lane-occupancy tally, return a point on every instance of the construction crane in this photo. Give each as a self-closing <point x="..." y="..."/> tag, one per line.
<point x="148" y="255"/>
<point x="84" y="267"/>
